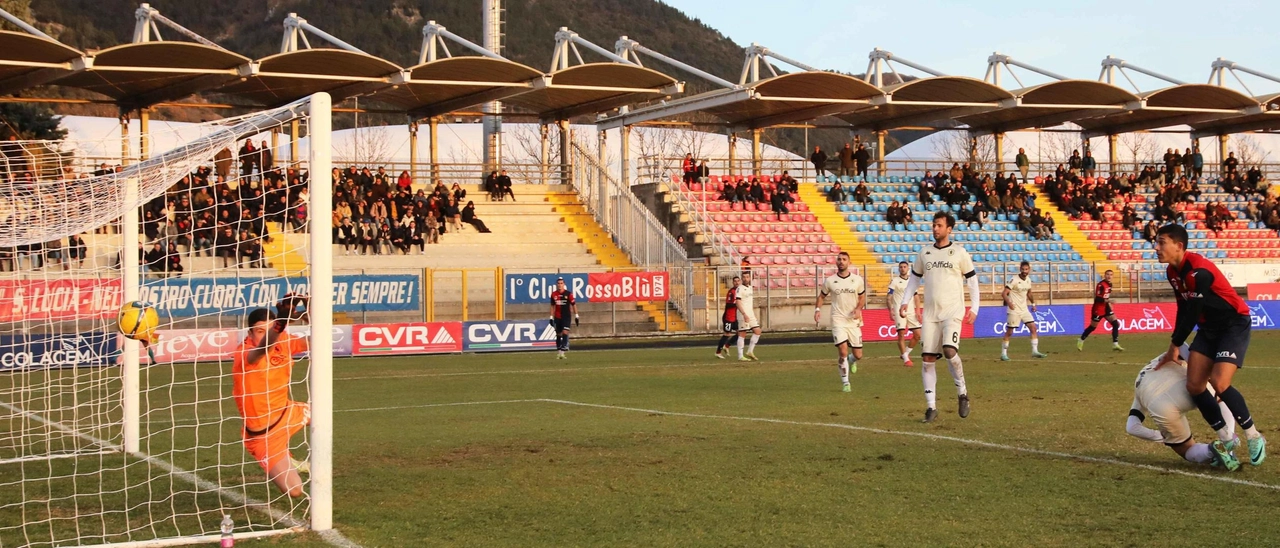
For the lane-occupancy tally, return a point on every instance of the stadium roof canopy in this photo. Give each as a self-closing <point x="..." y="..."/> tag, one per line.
<point x="1268" y="118"/>
<point x="593" y="88"/>
<point x="1051" y="104"/>
<point x="286" y="77"/>
<point x="792" y="97"/>
<point x="142" y="74"/>
<point x="929" y="100"/>
<point x="1173" y="106"/>
<point x="27" y="61"/>
<point x="445" y="85"/>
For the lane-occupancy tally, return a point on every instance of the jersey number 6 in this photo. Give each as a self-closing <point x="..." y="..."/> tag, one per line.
<point x="955" y="337"/>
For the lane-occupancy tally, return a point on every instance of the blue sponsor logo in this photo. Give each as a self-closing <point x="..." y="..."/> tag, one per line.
<point x="352" y="293"/>
<point x="1263" y="313"/>
<point x="1050" y="320"/>
<point x="94" y="349"/>
<point x="537" y="288"/>
<point x="509" y="336"/>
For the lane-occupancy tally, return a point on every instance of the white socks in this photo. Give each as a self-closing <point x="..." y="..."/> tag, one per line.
<point x="1251" y="433"/>
<point x="1004" y="348"/>
<point x="741" y="343"/>
<point x="1035" y="345"/>
<point x="957" y="374"/>
<point x="844" y="370"/>
<point x="754" y="339"/>
<point x="1199" y="453"/>
<point x="929" y="373"/>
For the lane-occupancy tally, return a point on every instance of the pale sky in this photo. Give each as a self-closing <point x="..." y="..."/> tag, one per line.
<point x="1177" y="38"/>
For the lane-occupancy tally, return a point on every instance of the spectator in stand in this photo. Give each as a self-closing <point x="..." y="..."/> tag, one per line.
<point x="431" y="234"/>
<point x="847" y="164"/>
<point x="1231" y="164"/>
<point x="1042" y="232"/>
<point x="1129" y="218"/>
<point x="894" y="216"/>
<point x="730" y="192"/>
<point x="862" y="157"/>
<point x="346" y="235"/>
<point x="689" y="168"/>
<point x="504" y="186"/>
<point x="1023" y="163"/>
<point x="249" y="158"/>
<point x="1273" y="219"/>
<point x="7" y="260"/>
<point x="266" y="158"/>
<point x="1197" y="163"/>
<point x="1049" y="225"/>
<point x="704" y="171"/>
<point x="956" y="173"/>
<point x="491" y="186"/>
<point x="757" y="191"/>
<point x="416" y="230"/>
<point x="249" y="251"/>
<point x="224" y="245"/>
<point x="405" y="181"/>
<point x="203" y="234"/>
<point x="819" y="161"/>
<point x="453" y="215"/>
<point x="1024" y="224"/>
<point x="1252" y="211"/>
<point x="742" y="192"/>
<point x="156" y="260"/>
<point x="384" y="236"/>
<point x="926" y="190"/>
<point x="778" y="204"/>
<point x="836" y="194"/>
<point x="76" y="250"/>
<point x="469" y="217"/>
<point x="1190" y="190"/>
<point x="1088" y="164"/>
<point x="53" y="253"/>
<point x="173" y="262"/>
<point x="1188" y="164"/>
<point x="862" y="195"/>
<point x="458" y="192"/>
<point x="1162" y="213"/>
<point x="1149" y="231"/>
<point x="1074" y="163"/>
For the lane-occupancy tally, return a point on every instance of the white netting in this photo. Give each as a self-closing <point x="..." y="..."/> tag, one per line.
<point x="223" y="232"/>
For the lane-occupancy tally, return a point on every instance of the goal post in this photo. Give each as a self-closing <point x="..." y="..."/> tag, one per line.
<point x="103" y="442"/>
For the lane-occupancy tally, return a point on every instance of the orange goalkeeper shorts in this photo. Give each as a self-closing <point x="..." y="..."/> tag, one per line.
<point x="271" y="447"/>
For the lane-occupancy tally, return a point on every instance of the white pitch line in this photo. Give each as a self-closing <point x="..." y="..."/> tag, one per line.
<point x="428" y="405"/>
<point x="188" y="476"/>
<point x="924" y="435"/>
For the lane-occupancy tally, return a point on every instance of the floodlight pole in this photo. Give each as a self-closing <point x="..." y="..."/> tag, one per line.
<point x="879" y="59"/>
<point x="294" y="28"/>
<point x="23" y="24"/>
<point x="491" y="123"/>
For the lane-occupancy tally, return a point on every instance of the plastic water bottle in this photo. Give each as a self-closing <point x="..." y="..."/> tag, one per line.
<point x="227" y="525"/>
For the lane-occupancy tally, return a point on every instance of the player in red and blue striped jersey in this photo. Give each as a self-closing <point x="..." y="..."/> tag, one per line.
<point x="564" y="310"/>
<point x="729" y="319"/>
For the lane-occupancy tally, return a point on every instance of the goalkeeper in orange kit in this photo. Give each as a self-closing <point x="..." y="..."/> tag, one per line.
<point x="261" y="374"/>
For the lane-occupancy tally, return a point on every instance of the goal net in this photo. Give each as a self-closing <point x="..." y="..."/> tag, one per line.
<point x="105" y="442"/>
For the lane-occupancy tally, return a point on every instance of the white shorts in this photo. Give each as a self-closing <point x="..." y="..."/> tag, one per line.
<point x="935" y="335"/>
<point x="1015" y="318"/>
<point x="747" y="322"/>
<point x="1169" y="419"/>
<point x="847" y="334"/>
<point x="910" y="321"/>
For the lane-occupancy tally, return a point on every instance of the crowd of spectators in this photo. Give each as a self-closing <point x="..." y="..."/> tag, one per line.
<point x="779" y="195"/>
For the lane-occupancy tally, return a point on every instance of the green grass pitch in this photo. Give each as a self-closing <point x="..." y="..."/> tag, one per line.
<point x="673" y="447"/>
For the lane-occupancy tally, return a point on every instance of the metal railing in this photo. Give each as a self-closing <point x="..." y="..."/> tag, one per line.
<point x="630" y="223"/>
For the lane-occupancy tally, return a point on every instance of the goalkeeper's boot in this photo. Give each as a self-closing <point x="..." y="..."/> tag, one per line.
<point x="1039" y="354"/>
<point x="930" y="415"/>
<point x="1257" y="450"/>
<point x="846" y="388"/>
<point x="752" y="356"/>
<point x="1116" y="347"/>
<point x="1080" y="345"/>
<point x="303" y="466"/>
<point x="1223" y="452"/>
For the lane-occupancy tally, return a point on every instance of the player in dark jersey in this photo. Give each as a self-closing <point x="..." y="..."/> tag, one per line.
<point x="564" y="309"/>
<point x="1102" y="309"/>
<point x="1207" y="301"/>
<point x="729" y="319"/>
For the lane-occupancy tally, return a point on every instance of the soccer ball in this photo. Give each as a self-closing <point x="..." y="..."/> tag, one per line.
<point x="138" y="321"/>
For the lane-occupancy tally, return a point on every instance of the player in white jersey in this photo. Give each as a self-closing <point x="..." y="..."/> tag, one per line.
<point x="747" y="320"/>
<point x="1017" y="295"/>
<point x="1161" y="393"/>
<point x="903" y="324"/>
<point x="848" y="292"/>
<point x="945" y="269"/>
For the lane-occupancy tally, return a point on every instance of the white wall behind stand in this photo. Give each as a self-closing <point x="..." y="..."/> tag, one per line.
<point x="458" y="143"/>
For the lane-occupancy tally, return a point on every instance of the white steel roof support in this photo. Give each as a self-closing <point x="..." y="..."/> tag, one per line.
<point x="757" y="53"/>
<point x="630" y="49"/>
<point x="1112" y="64"/>
<point x="567" y="40"/>
<point x="293" y="33"/>
<point x="23" y="25"/>
<point x="147" y="18"/>
<point x="433" y="39"/>
<point x="1221" y="66"/>
<point x="880" y="58"/>
<point x="997" y="59"/>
